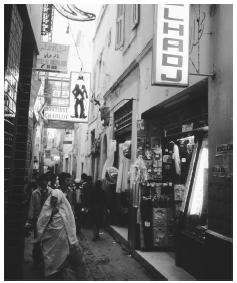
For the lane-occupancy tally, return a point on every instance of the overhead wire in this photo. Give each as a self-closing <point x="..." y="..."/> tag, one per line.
<point x="85" y="17"/>
<point x="70" y="31"/>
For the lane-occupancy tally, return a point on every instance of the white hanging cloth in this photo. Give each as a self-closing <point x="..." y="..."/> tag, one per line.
<point x="176" y="158"/>
<point x="123" y="172"/>
<point x="110" y="158"/>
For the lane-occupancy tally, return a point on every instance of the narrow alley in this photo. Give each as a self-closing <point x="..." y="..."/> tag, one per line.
<point x="104" y="260"/>
<point x="118" y="142"/>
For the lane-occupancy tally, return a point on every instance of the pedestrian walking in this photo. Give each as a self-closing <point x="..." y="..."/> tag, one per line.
<point x="87" y="187"/>
<point x="28" y="189"/>
<point x="51" y="179"/>
<point x="84" y="199"/>
<point x="38" y="197"/>
<point x="78" y="205"/>
<point x="97" y="208"/>
<point x="65" y="187"/>
<point x="56" y="233"/>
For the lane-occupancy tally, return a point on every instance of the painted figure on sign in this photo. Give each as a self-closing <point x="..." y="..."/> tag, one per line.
<point x="80" y="94"/>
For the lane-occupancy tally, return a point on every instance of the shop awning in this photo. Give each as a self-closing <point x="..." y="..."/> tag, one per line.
<point x="185" y="99"/>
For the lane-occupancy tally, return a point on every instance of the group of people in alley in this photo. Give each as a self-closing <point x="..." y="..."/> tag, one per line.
<point x="58" y="208"/>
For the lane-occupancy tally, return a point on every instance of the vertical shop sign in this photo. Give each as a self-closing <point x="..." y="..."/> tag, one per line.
<point x="53" y="57"/>
<point x="171" y="45"/>
<point x="80" y="84"/>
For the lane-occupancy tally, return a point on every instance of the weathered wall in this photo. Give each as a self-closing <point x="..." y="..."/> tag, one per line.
<point x="221" y="120"/>
<point x="35" y="15"/>
<point x="211" y="48"/>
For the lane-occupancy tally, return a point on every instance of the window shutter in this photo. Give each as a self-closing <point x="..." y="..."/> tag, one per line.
<point x="120" y="26"/>
<point x="135" y="15"/>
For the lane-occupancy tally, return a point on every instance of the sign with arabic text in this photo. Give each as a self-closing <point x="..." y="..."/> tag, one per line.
<point x="53" y="57"/>
<point x="171" y="45"/>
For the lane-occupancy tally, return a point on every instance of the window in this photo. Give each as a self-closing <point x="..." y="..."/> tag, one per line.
<point x="13" y="65"/>
<point x="120" y="26"/>
<point x="11" y="81"/>
<point x="123" y="118"/>
<point x="135" y="15"/>
<point x="131" y="21"/>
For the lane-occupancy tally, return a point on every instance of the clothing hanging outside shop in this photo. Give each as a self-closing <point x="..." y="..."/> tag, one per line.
<point x="138" y="175"/>
<point x="110" y="158"/>
<point x="124" y="166"/>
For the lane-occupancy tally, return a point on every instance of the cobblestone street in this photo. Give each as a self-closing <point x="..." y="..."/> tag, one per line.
<point x="104" y="260"/>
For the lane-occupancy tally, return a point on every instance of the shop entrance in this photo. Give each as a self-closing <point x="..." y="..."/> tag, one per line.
<point x="173" y="201"/>
<point x="122" y="161"/>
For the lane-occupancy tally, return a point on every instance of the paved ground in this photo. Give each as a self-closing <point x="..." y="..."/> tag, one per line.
<point x="103" y="260"/>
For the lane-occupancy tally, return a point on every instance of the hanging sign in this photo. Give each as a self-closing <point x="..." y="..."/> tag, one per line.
<point x="69" y="103"/>
<point x="58" y="92"/>
<point x="171" y="45"/>
<point x="53" y="57"/>
<point x="56" y="113"/>
<point x="79" y="96"/>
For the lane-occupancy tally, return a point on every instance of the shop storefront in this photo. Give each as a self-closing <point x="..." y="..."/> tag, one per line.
<point x="169" y="178"/>
<point x="181" y="187"/>
<point x="179" y="184"/>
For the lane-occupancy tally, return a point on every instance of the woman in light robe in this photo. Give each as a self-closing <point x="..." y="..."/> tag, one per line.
<point x="56" y="232"/>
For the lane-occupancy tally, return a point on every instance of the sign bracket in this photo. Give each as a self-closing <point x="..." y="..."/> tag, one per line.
<point x="212" y="75"/>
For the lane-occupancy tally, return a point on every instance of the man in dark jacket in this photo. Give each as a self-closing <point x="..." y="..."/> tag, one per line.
<point x="38" y="198"/>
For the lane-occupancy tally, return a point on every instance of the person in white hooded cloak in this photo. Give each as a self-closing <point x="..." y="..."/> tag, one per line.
<point x="56" y="232"/>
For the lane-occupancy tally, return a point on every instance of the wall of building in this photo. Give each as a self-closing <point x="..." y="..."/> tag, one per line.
<point x="210" y="56"/>
<point x="150" y="95"/>
<point x="138" y="47"/>
<point x="15" y="197"/>
<point x="105" y="75"/>
<point x="221" y="120"/>
<point x="123" y="57"/>
<point x="200" y="50"/>
<point x="34" y="11"/>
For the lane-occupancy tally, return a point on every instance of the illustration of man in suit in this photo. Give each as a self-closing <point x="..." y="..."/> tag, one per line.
<point x="80" y="93"/>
